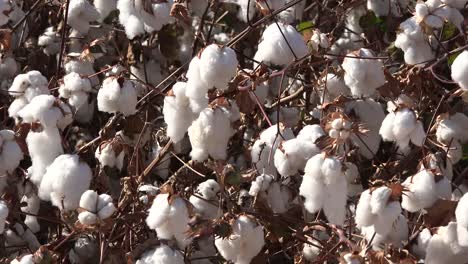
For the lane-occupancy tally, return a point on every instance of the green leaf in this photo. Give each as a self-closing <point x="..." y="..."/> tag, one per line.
<point x="452" y="57"/>
<point x="449" y="31"/>
<point x="304" y="25"/>
<point x="371" y="20"/>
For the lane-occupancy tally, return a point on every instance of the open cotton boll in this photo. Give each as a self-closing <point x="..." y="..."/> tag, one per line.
<point x="209" y="134"/>
<point x="461" y="214"/>
<point x="319" y="39"/>
<point x="10" y="152"/>
<point x="444" y="248"/>
<point x="48" y="111"/>
<point x="263" y="150"/>
<point x="260" y="184"/>
<point x="273" y="48"/>
<point x="352" y="177"/>
<point x="104" y="7"/>
<point x="324" y="186"/>
<point x="412" y="40"/>
<point x="170" y="218"/>
<point x="387" y="7"/>
<point x="244" y="243"/>
<point x="108" y="157"/>
<point x="32" y="207"/>
<point x="208" y="205"/>
<point x="419" y="248"/>
<point x="17" y="235"/>
<point x="80" y="13"/>
<point x="26" y="259"/>
<point x="292" y="156"/>
<point x="398" y="234"/>
<point x="421" y="192"/>
<point x="82" y="67"/>
<point x="3" y="215"/>
<point x="218" y="65"/>
<point x="452" y="128"/>
<point x="363" y="76"/>
<point x="117" y="95"/>
<point x="311" y="252"/>
<point x="96" y="208"/>
<point x="75" y="89"/>
<point x="333" y="86"/>
<point x="50" y="41"/>
<point x="161" y="255"/>
<point x="196" y="90"/>
<point x="177" y="112"/>
<point x="65" y="181"/>
<point x="402" y="127"/>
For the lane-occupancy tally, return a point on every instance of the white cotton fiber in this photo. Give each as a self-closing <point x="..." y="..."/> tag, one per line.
<point x="460" y="70"/>
<point x="218" y="65"/>
<point x="363" y="76"/>
<point x="161" y="255"/>
<point x="80" y="13"/>
<point x="105" y="7"/>
<point x="3" y="215"/>
<point x="245" y="242"/>
<point x="117" y="95"/>
<point x="205" y="200"/>
<point x="96" y="207"/>
<point x="169" y="217"/>
<point x="413" y="42"/>
<point x="65" y="180"/>
<point x="76" y="89"/>
<point x="108" y="157"/>
<point x="10" y="152"/>
<point x="50" y="41"/>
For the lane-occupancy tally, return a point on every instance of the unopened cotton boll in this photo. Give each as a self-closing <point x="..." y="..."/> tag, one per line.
<point x="10" y="152"/>
<point x="170" y="218"/>
<point x="363" y="76"/>
<point x="76" y="89"/>
<point x="244" y="243"/>
<point x="209" y="134"/>
<point x="161" y="255"/>
<point x="324" y="186"/>
<point x="3" y="215"/>
<point x="273" y="48"/>
<point x="413" y="42"/>
<point x="205" y="200"/>
<point x="423" y="191"/>
<point x="97" y="207"/>
<point x="117" y="95"/>
<point x="80" y="13"/>
<point x="177" y="112"/>
<point x="65" y="180"/>
<point x="218" y="65"/>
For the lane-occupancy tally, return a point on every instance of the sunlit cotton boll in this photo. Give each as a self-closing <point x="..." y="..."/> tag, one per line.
<point x="80" y="13"/>
<point x="387" y="7"/>
<point x="104" y="7"/>
<point x="452" y="128"/>
<point x="205" y="200"/>
<point x="169" y="216"/>
<point x="161" y="255"/>
<point x="273" y="48"/>
<point x="363" y="73"/>
<point x="218" y="65"/>
<point x="96" y="207"/>
<point x="117" y="95"/>
<point x="460" y="70"/>
<point x="76" y="89"/>
<point x="65" y="180"/>
<point x="413" y="42"/>
<point x="107" y="156"/>
<point x="461" y="214"/>
<point x="50" y="41"/>
<point x="244" y="243"/>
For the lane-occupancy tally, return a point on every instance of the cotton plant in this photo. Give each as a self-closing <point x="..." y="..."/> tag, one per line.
<point x="414" y="43"/>
<point x="459" y="69"/>
<point x="377" y="209"/>
<point x="95" y="208"/>
<point x="273" y="48"/>
<point x="65" y="180"/>
<point x="423" y="190"/>
<point x="24" y="88"/>
<point x="363" y="73"/>
<point x="402" y="127"/>
<point x="434" y="13"/>
<point x="324" y="186"/>
<point x="161" y="255"/>
<point x="169" y="217"/>
<point x="263" y="149"/>
<point x="244" y="243"/>
<point x="117" y="95"/>
<point x="292" y="155"/>
<point x="209" y="134"/>
<point x="80" y="14"/>
<point x="138" y="19"/>
<point x="177" y="112"/>
<point x="387" y="7"/>
<point x="205" y="200"/>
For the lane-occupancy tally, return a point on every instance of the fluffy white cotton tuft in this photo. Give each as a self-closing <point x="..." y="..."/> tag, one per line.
<point x="273" y="48"/>
<point x="32" y="207"/>
<point x="117" y="95"/>
<point x="244" y="243"/>
<point x="10" y="152"/>
<point x="363" y="76"/>
<point x="161" y="255"/>
<point x="169" y="216"/>
<point x="104" y="7"/>
<point x="76" y="89"/>
<point x="319" y="39"/>
<point x="205" y="200"/>
<point x="50" y="41"/>
<point x="387" y="7"/>
<point x="218" y="65"/>
<point x="459" y="70"/>
<point x="65" y="180"/>
<point x="413" y="42"/>
<point x="96" y="207"/>
<point x="452" y="128"/>
<point x="107" y="156"/>
<point x="80" y="13"/>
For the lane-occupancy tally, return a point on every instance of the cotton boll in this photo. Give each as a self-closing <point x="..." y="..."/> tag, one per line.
<point x="82" y="67"/>
<point x="75" y="89"/>
<point x="32" y="207"/>
<point x="10" y="152"/>
<point x="245" y="242"/>
<point x="80" y="13"/>
<point x="46" y="110"/>
<point x="421" y="243"/>
<point x="452" y="127"/>
<point x="96" y="208"/>
<point x="3" y="215"/>
<point x="208" y="205"/>
<point x="461" y="212"/>
<point x="108" y="157"/>
<point x="177" y="113"/>
<point x="104" y="7"/>
<point x="117" y="95"/>
<point x="333" y="86"/>
<point x="161" y="255"/>
<point x="311" y="252"/>
<point x="293" y="155"/>
<point x="196" y="89"/>
<point x="209" y="134"/>
<point x="218" y="65"/>
<point x="274" y="49"/>
<point x="402" y="127"/>
<point x="169" y="217"/>
<point x="260" y="184"/>
<point x="413" y="42"/>
<point x="64" y="182"/>
<point x="26" y="259"/>
<point x="387" y="7"/>
<point x="18" y="235"/>
<point x="363" y="76"/>
<point x="50" y="41"/>
<point x="459" y="68"/>
<point x="319" y="39"/>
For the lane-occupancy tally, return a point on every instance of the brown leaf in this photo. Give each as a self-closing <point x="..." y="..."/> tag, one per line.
<point x="440" y="213"/>
<point x="245" y="103"/>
